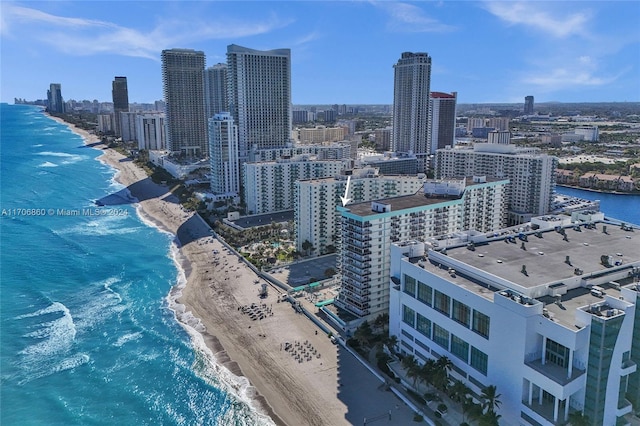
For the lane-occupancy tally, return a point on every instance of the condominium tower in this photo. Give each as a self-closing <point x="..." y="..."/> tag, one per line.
<point x="223" y="156"/>
<point x="183" y="81"/>
<point x="528" y="105"/>
<point x="120" y="97"/>
<point x="259" y="88"/>
<point x="443" y="120"/>
<point x="54" y="98"/>
<point x="411" y="127"/>
<point x="215" y="88"/>
<point x="368" y="229"/>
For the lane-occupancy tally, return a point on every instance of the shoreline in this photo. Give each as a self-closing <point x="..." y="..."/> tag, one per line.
<point x="210" y="290"/>
<point x="598" y="191"/>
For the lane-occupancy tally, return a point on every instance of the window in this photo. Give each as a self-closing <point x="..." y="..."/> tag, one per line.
<point x="460" y="348"/>
<point x="441" y="336"/>
<point x="557" y="353"/>
<point x="481" y="324"/>
<point x="479" y="360"/>
<point x="461" y="313"/>
<point x="441" y="302"/>
<point x="425" y="294"/>
<point x="423" y="325"/>
<point x="408" y="316"/>
<point x="410" y="285"/>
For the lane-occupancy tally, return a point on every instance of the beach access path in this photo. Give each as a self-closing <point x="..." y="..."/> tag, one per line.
<point x="314" y="382"/>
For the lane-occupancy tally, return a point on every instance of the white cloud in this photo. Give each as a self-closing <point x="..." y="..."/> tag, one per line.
<point x="405" y="17"/>
<point x="570" y="78"/>
<point x="533" y="14"/>
<point x="78" y="36"/>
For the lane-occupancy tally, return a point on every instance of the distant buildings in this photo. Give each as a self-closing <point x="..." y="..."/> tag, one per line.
<point x="368" y="229"/>
<point x="528" y="105"/>
<point x="499" y="137"/>
<point x="391" y="163"/>
<point x="120" y="97"/>
<point x="215" y="88"/>
<point x="411" y="126"/>
<point x="319" y="134"/>
<point x="260" y="97"/>
<point x="550" y="315"/>
<point x="531" y="174"/>
<point x="443" y="120"/>
<point x="55" y="103"/>
<point x="183" y="84"/>
<point x="223" y="157"/>
<point x="383" y="138"/>
<point x="316" y="199"/>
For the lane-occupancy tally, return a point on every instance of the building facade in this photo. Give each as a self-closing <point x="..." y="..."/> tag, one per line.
<point x="183" y="84"/>
<point x="528" y="105"/>
<point x="411" y="126"/>
<point x="223" y="156"/>
<point x="54" y="98"/>
<point x="531" y="174"/>
<point x="552" y="327"/>
<point x="368" y="229"/>
<point x="151" y="132"/>
<point x="215" y="90"/>
<point x="319" y="134"/>
<point x="270" y="186"/>
<point x="316" y="218"/>
<point x="120" y="98"/>
<point x="259" y="88"/>
<point x="443" y="120"/>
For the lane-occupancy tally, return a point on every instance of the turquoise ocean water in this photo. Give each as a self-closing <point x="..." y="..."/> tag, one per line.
<point x="87" y="331"/>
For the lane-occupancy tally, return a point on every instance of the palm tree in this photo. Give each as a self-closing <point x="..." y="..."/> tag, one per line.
<point x="576" y="418"/>
<point x="440" y="378"/>
<point x="490" y="401"/>
<point x="392" y="341"/>
<point x="363" y="334"/>
<point x="426" y="371"/>
<point x="459" y="391"/>
<point x="412" y="368"/>
<point x="490" y="418"/>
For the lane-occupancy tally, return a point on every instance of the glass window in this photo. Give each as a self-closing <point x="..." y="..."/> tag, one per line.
<point x="410" y="285"/>
<point x="441" y="302"/>
<point x="481" y="323"/>
<point x="423" y="325"/>
<point x="557" y="353"/>
<point x="461" y="313"/>
<point x="460" y="348"/>
<point x="479" y="360"/>
<point x="425" y="293"/>
<point x="408" y="316"/>
<point x="441" y="336"/>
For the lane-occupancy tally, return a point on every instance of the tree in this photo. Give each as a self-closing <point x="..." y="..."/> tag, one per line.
<point x="412" y="367"/>
<point x="381" y="321"/>
<point x="391" y="343"/>
<point x="307" y="246"/>
<point x="490" y="418"/>
<point x="459" y="391"/>
<point x="427" y="370"/>
<point x="490" y="399"/>
<point x="363" y="334"/>
<point x="440" y="377"/>
<point x="329" y="272"/>
<point x="576" y="418"/>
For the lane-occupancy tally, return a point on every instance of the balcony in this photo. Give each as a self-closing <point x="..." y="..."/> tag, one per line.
<point x="555" y="372"/>
<point x="627" y="367"/>
<point x="624" y="408"/>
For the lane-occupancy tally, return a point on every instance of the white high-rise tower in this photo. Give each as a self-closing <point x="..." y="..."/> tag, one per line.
<point x="259" y="90"/>
<point x="215" y="88"/>
<point x="411" y="127"/>
<point x="223" y="156"/>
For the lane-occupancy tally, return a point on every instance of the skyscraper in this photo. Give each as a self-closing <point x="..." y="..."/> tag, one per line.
<point x="215" y="89"/>
<point x="528" y="105"/>
<point x="443" y="120"/>
<point x="259" y="84"/>
<point x="411" y="127"/>
<point x="120" y="97"/>
<point x="183" y="81"/>
<point x="54" y="96"/>
<point x="223" y="156"/>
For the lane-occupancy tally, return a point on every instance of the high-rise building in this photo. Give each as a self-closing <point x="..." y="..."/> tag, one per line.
<point x="383" y="138"/>
<point x="501" y="137"/>
<point x="550" y="316"/>
<point x="499" y="123"/>
<point x="475" y="123"/>
<point x="528" y="105"/>
<point x="223" y="156"/>
<point x="443" y="120"/>
<point x="120" y="97"/>
<point x="183" y="81"/>
<point x="368" y="229"/>
<point x="531" y="174"/>
<point x="215" y="89"/>
<point x="54" y="98"/>
<point x="150" y="130"/>
<point x="411" y="127"/>
<point x="259" y="84"/>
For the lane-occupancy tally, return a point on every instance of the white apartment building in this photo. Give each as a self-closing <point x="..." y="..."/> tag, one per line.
<point x="215" y="90"/>
<point x="531" y="174"/>
<point x="223" y="157"/>
<point x="319" y="134"/>
<point x="105" y="123"/>
<point x="536" y="313"/>
<point x="316" y="218"/>
<point x="326" y="151"/>
<point x="150" y="129"/>
<point x="368" y="229"/>
<point x="499" y="136"/>
<point x="475" y="122"/>
<point x="270" y="186"/>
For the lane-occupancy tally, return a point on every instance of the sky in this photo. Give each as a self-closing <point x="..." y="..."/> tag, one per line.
<point x="342" y="52"/>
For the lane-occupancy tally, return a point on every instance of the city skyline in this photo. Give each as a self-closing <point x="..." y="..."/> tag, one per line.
<point x="341" y="52"/>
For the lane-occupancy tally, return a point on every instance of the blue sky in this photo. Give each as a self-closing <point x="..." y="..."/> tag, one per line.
<point x="342" y="52"/>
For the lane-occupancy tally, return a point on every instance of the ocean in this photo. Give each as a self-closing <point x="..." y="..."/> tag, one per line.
<point x="88" y="335"/>
<point x="624" y="207"/>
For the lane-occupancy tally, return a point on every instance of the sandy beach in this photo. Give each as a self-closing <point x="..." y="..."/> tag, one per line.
<point x="220" y="306"/>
